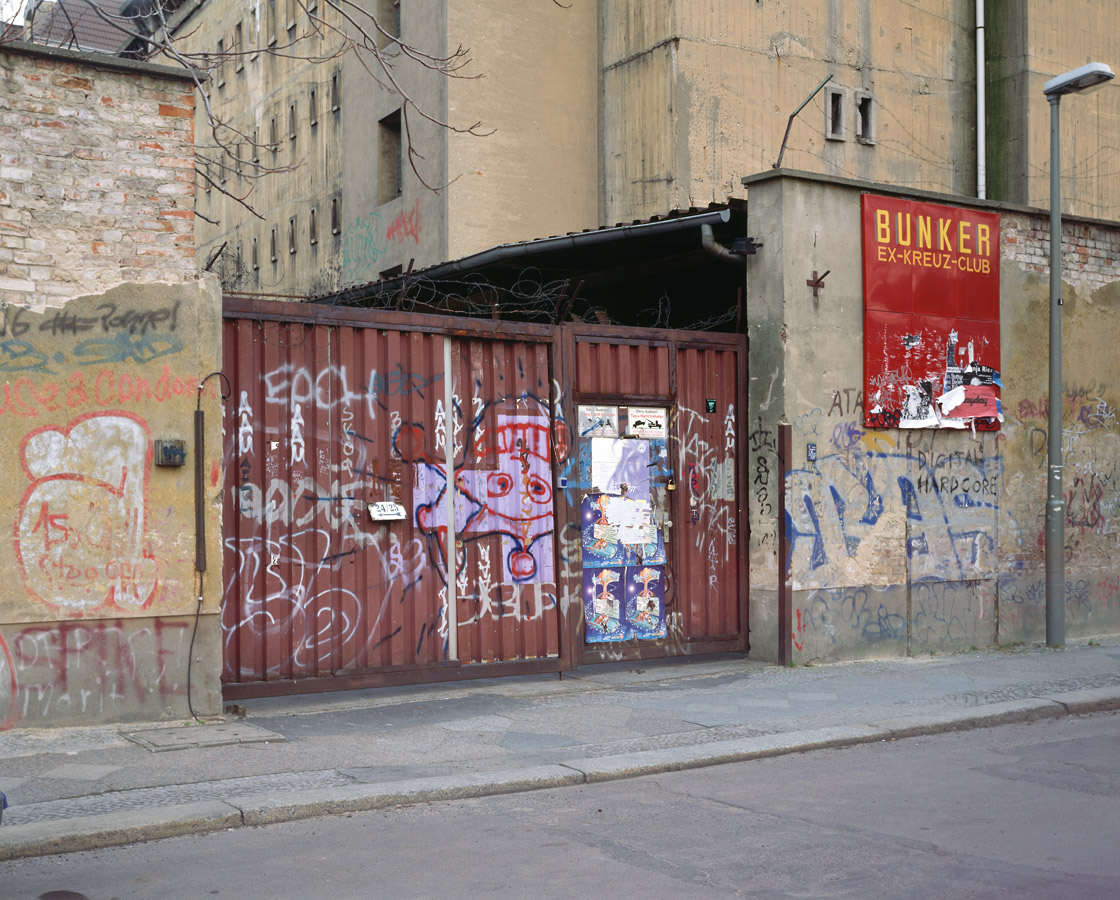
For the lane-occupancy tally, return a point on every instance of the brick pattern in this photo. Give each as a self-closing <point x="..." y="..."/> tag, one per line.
<point x="1090" y="253"/>
<point x="96" y="179"/>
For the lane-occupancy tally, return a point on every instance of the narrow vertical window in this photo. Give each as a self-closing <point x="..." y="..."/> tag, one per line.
<point x="256" y="149"/>
<point x="238" y="48"/>
<point x="313" y="226"/>
<point x="865" y="119"/>
<point x="336" y="215"/>
<point x="292" y="234"/>
<point x="834" y="114"/>
<point x="389" y="174"/>
<point x="273" y="138"/>
<point x="272" y="243"/>
<point x="254" y="255"/>
<point x="292" y="124"/>
<point x="221" y="79"/>
<point x="313" y="107"/>
<point x="336" y="91"/>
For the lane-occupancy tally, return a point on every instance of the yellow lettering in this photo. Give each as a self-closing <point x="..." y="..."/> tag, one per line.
<point x="882" y="226"/>
<point x="924" y="232"/>
<point x="903" y="241"/>
<point x="983" y="240"/>
<point x="883" y="254"/>
<point x="963" y="237"/>
<point x="944" y="243"/>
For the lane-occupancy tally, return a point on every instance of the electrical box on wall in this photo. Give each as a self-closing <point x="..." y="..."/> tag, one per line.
<point x="171" y="453"/>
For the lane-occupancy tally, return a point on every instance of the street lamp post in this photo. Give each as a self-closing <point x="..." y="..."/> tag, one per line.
<point x="1076" y="80"/>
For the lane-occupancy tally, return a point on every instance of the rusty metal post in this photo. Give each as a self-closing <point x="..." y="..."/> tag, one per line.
<point x="785" y="587"/>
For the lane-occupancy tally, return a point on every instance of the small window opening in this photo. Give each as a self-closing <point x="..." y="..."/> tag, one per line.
<point x="834" y="114"/>
<point x="292" y="234"/>
<point x="313" y="226"/>
<point x="336" y="91"/>
<point x="865" y="119"/>
<point x="256" y="260"/>
<point x="336" y="215"/>
<point x="272" y="244"/>
<point x="389" y="161"/>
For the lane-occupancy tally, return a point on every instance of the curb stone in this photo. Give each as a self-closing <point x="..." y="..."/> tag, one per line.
<point x="115" y="829"/>
<point x="201" y="817"/>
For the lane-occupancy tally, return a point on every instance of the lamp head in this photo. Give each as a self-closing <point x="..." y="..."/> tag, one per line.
<point x="1083" y="78"/>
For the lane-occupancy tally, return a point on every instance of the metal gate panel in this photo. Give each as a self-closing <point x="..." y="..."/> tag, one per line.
<point x="505" y="516"/>
<point x="327" y="419"/>
<point x="621" y="367"/>
<point x="708" y="555"/>
<point x="314" y="586"/>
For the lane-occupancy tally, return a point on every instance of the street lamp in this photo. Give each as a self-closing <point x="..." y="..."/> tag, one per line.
<point x="1076" y="80"/>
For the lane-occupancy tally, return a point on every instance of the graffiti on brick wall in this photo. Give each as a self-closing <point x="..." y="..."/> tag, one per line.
<point x="70" y="669"/>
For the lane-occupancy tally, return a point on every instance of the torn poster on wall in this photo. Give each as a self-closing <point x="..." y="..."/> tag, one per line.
<point x="931" y="315"/>
<point x="623" y="569"/>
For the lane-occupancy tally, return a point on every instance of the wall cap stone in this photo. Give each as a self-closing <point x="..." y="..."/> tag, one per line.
<point x="101" y="61"/>
<point x="916" y="193"/>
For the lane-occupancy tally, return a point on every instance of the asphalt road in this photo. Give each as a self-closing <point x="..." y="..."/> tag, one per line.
<point x="1020" y="811"/>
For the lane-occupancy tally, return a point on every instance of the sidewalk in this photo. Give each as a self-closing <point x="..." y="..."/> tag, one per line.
<point x="295" y="757"/>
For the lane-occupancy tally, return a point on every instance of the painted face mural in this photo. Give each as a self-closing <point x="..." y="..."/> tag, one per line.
<point x="507" y="495"/>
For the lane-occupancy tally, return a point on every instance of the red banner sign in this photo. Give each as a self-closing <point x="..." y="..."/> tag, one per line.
<point x="931" y="315"/>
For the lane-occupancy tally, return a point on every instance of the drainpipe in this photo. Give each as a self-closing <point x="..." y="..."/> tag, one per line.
<point x="981" y="112"/>
<point x="708" y="242"/>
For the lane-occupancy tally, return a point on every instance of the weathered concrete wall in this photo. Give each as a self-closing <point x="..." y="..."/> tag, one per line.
<point x="537" y="174"/>
<point x="923" y="540"/>
<point x="104" y="340"/>
<point x="1030" y="42"/>
<point x="697" y="94"/>
<point x="96" y="175"/>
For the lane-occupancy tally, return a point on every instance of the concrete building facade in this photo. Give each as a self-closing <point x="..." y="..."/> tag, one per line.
<point x="611" y="111"/>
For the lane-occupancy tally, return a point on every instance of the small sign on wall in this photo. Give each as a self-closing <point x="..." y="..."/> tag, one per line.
<point x="385" y="511"/>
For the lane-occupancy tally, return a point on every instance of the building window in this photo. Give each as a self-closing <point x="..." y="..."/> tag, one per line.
<point x="272" y="244"/>
<point x="389" y="158"/>
<point x="313" y="107"/>
<point x="238" y="48"/>
<point x="221" y="79"/>
<point x="389" y="18"/>
<point x="273" y="138"/>
<point x="256" y="149"/>
<point x="270" y="21"/>
<point x="256" y="260"/>
<point x="865" y="118"/>
<point x="313" y="226"/>
<point x="291" y="14"/>
<point x="292" y="234"/>
<point x="834" y="114"/>
<point x="336" y="215"/>
<point x="237" y="162"/>
<point x="336" y="91"/>
<point x="292" y="124"/>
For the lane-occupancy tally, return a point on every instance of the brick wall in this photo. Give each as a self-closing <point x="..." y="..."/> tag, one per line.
<point x="1090" y="253"/>
<point x="96" y="175"/>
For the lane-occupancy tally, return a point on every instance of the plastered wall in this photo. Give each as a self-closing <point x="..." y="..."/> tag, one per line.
<point x="918" y="541"/>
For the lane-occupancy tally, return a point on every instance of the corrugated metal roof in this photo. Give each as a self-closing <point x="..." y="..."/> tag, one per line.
<point x="691" y="217"/>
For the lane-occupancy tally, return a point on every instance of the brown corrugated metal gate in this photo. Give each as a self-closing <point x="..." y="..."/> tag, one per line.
<point x="334" y="410"/>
